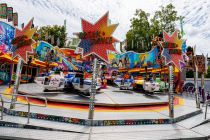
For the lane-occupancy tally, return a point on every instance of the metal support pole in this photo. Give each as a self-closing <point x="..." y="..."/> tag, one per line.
<point x="202" y="88"/>
<point x="171" y="93"/>
<point x="92" y="92"/>
<point x="29" y="107"/>
<point x="206" y="110"/>
<point x="197" y="97"/>
<point x="2" y="107"/>
<point x="17" y="82"/>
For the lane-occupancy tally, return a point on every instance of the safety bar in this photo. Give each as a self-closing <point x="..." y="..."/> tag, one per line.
<point x="28" y="103"/>
<point x="2" y="107"/>
<point x="207" y="103"/>
<point x="29" y="96"/>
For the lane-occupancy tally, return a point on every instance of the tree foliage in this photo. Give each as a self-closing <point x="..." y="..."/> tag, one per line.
<point x="167" y="17"/>
<point x="208" y="72"/>
<point x="143" y="27"/>
<point x="55" y="35"/>
<point x="189" y="74"/>
<point x="139" y="34"/>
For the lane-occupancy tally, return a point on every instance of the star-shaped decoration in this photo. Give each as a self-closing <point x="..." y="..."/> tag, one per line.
<point x="86" y="45"/>
<point x="173" y="38"/>
<point x="176" y="59"/>
<point x="105" y="30"/>
<point x="184" y="46"/>
<point x="26" y="33"/>
<point x="166" y="54"/>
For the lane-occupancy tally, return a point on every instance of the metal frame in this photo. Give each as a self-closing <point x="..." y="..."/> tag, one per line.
<point x="171" y="92"/>
<point x="93" y="92"/>
<point x="207" y="103"/>
<point x="28" y="103"/>
<point x="190" y="89"/>
<point x="2" y="107"/>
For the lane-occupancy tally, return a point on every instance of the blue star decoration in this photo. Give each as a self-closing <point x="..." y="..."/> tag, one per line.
<point x="184" y="46"/>
<point x="166" y="54"/>
<point x="85" y="45"/>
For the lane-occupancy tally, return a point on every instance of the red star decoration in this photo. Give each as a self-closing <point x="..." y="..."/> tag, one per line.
<point x="170" y="39"/>
<point x="176" y="59"/>
<point x="100" y="50"/>
<point x="22" y="51"/>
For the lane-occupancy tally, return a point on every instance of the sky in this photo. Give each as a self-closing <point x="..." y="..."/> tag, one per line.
<point x="51" y="12"/>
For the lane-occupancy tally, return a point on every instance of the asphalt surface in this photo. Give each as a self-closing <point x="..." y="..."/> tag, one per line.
<point x="207" y="83"/>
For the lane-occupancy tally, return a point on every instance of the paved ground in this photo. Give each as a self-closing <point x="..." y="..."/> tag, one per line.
<point x="2" y="88"/>
<point x="207" y="83"/>
<point x="182" y="130"/>
<point x="111" y="96"/>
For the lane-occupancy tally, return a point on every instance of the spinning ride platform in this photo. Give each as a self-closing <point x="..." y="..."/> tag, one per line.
<point x="132" y="109"/>
<point x="111" y="97"/>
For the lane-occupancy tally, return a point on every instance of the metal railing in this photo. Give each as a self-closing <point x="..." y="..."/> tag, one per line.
<point x="2" y="107"/>
<point x="28" y="103"/>
<point x="207" y="104"/>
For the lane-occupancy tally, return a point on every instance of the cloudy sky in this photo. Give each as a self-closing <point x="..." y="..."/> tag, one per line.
<point x="51" y="12"/>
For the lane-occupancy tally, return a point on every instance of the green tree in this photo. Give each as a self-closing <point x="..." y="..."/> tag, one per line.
<point x="208" y="73"/>
<point x="143" y="28"/>
<point x="189" y="74"/>
<point x="55" y="35"/>
<point x="138" y="37"/>
<point x="155" y="28"/>
<point x="167" y="18"/>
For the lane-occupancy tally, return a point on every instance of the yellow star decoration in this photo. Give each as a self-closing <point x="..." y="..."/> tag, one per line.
<point x="173" y="39"/>
<point x="108" y="30"/>
<point x="27" y="31"/>
<point x="23" y="50"/>
<point x="179" y="42"/>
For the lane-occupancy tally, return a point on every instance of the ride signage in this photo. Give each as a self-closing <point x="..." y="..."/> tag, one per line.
<point x="173" y="48"/>
<point x="15" y="19"/>
<point x="10" y="14"/>
<point x="200" y="62"/>
<point x="96" y="37"/>
<point x="7" y="13"/>
<point x="3" y="11"/>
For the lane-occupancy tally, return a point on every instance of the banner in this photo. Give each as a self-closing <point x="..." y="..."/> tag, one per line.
<point x="15" y="19"/>
<point x="7" y="33"/>
<point x="3" y="10"/>
<point x="200" y="62"/>
<point x="132" y="59"/>
<point x="42" y="49"/>
<point x="9" y="14"/>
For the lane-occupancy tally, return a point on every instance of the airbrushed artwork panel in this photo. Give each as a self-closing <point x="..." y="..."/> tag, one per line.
<point x="7" y="34"/>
